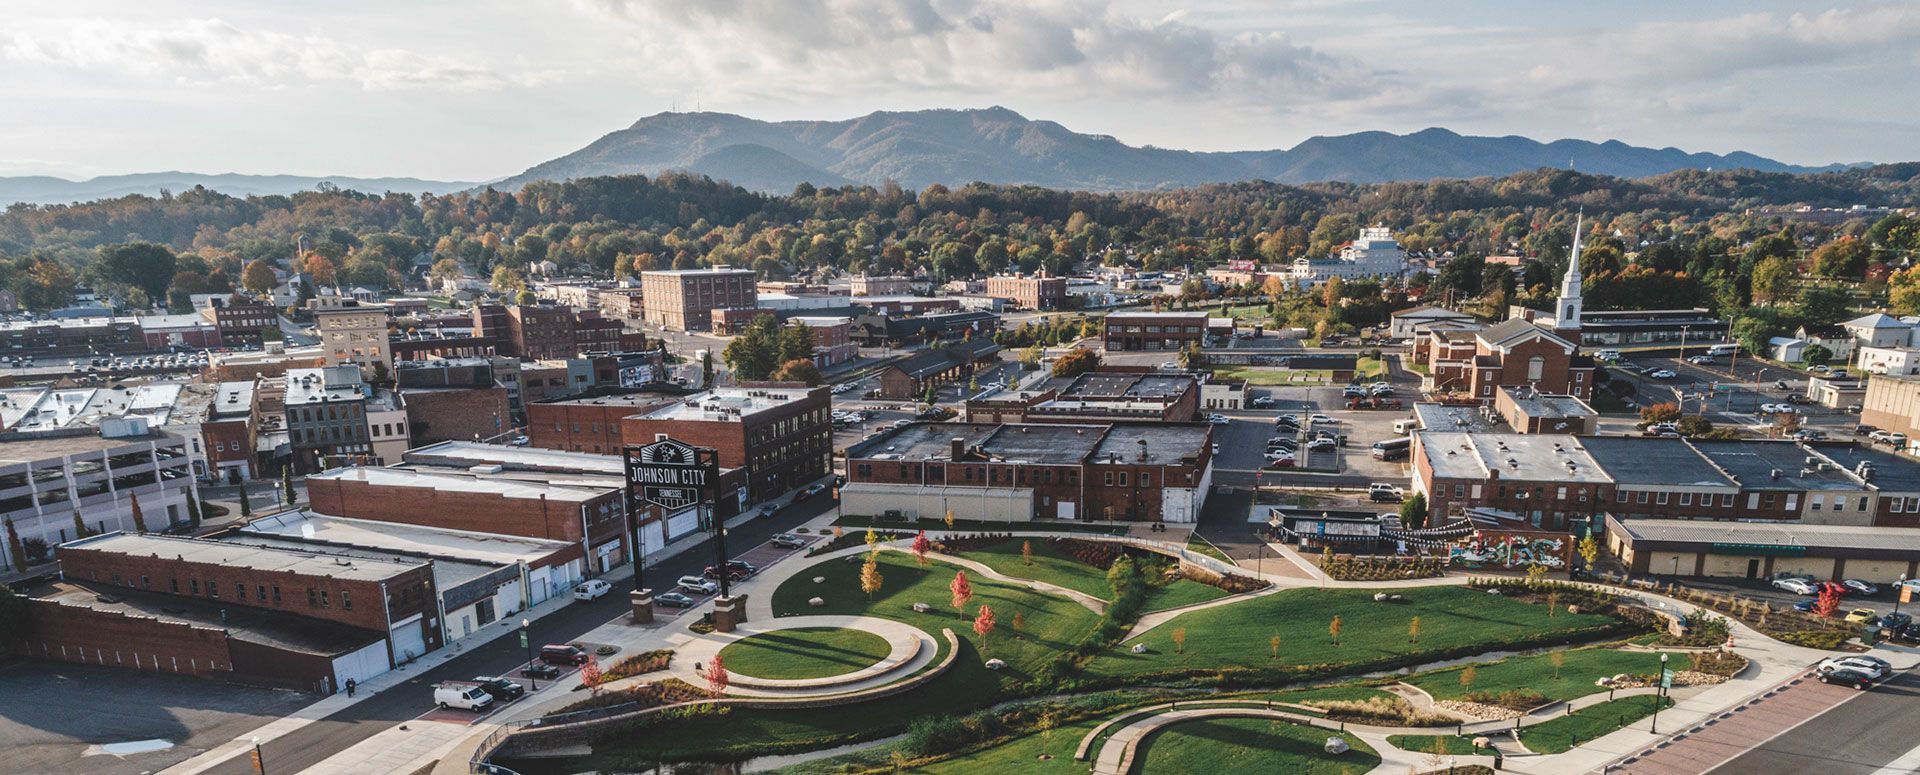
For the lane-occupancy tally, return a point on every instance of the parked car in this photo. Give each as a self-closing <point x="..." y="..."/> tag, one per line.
<point x="1285" y="462"/>
<point x="1321" y="418"/>
<point x="1796" y="586"/>
<point x="462" y="695"/>
<point x="1804" y="606"/>
<point x="1847" y="677"/>
<point x="734" y="574"/>
<point x="1862" y="616"/>
<point x="1799" y="398"/>
<point x="696" y="585"/>
<point x="1700" y="360"/>
<point x="787" y="541"/>
<point x="591" y="589"/>
<point x="1385" y="493"/>
<point x="563" y="654"/>
<point x="1262" y="402"/>
<point x="1218" y="419"/>
<point x="674" y="600"/>
<point x="767" y="511"/>
<point x="1322" y="443"/>
<point x="1275" y="456"/>
<point x="502" y="689"/>
<point x="1895" y="621"/>
<point x="1862" y="587"/>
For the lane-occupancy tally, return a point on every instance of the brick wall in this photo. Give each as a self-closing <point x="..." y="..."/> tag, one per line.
<point x="477" y="511"/>
<point x="457" y="415"/>
<point x="352" y="602"/>
<point x="72" y="633"/>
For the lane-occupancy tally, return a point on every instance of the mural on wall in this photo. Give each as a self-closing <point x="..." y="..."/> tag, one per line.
<point x="1506" y="549"/>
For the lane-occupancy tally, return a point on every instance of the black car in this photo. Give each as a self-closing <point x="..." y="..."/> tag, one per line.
<point x="1895" y="621"/>
<point x="1848" y="677"/>
<point x="768" y="511"/>
<point x="1907" y="634"/>
<point x="540" y="670"/>
<point x="502" y="689"/>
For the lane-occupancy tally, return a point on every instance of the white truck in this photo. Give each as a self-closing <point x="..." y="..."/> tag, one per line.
<point x="464" y="695"/>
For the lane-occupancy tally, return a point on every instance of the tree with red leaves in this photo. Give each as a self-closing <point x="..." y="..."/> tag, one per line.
<point x="1829" y="600"/>
<point x="920" y="546"/>
<point x="590" y="675"/>
<point x="983" y="624"/>
<point x="962" y="591"/>
<point x="717" y="676"/>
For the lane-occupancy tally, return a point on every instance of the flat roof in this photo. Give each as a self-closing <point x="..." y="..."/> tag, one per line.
<point x="473" y="453"/>
<point x="1526" y="457"/>
<point x="251" y="557"/>
<point x="57" y="445"/>
<point x="648" y="400"/>
<point x="1891" y="472"/>
<point x="1754" y="463"/>
<point x="1160" y="315"/>
<point x="1047" y="443"/>
<point x="1166" y="444"/>
<point x="1097" y="385"/>
<point x="1547" y="404"/>
<point x="1655" y="461"/>
<point x="684" y="272"/>
<point x="1465" y="419"/>
<point x="477" y="483"/>
<point x="281" y="630"/>
<point x="1770" y="534"/>
<point x="728" y="404"/>
<point x="441" y="543"/>
<point x="447" y="573"/>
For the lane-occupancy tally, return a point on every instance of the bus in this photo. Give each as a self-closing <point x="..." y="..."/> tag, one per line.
<point x="1723" y="349"/>
<point x="1393" y="449"/>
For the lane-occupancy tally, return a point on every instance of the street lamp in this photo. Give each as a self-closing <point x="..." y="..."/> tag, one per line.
<point x="259" y="760"/>
<point x="526" y="639"/>
<point x="1659" y="695"/>
<point x="1899" y="589"/>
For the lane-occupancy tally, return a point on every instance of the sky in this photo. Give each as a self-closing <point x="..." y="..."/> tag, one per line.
<point x="480" y="89"/>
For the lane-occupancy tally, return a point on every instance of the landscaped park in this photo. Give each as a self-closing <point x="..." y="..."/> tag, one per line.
<point x="1075" y="654"/>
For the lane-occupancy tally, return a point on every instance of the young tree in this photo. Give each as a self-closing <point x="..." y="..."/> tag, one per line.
<point x="873" y="538"/>
<point x="195" y="514"/>
<point x="1333" y="630"/>
<point x="717" y="677"/>
<point x="1589" y="552"/>
<point x="1467" y="677"/>
<point x="870" y="575"/>
<point x="949" y="519"/>
<point x="1273" y="647"/>
<point x="983" y="624"/>
<point x="920" y="546"/>
<point x="139" y="515"/>
<point x="286" y="484"/>
<point x="79" y="526"/>
<point x="1553" y="602"/>
<point x="1026" y="552"/>
<point x="962" y="590"/>
<point x="1413" y="630"/>
<point x="706" y="368"/>
<point x="1413" y="511"/>
<point x="1559" y="659"/>
<point x="1827" y="602"/>
<point x="1179" y="640"/>
<point x="591" y="677"/>
<point x="246" y="503"/>
<point x="1019" y="622"/>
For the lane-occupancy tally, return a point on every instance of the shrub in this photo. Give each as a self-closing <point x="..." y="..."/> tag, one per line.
<point x="644" y="696"/>
<point x="1512" y="699"/>
<point x="1825" y="640"/>
<point x="1387" y="711"/>
<point x="645" y="662"/>
<point x="1349" y="568"/>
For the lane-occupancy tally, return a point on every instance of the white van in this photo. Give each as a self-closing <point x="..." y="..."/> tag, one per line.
<point x="463" y="695"/>
<point x="1723" y="349"/>
<point x="1607" y="355"/>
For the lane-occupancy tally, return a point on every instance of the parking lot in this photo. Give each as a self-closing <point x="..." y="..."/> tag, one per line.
<point x="1243" y="441"/>
<point x="55" y="717"/>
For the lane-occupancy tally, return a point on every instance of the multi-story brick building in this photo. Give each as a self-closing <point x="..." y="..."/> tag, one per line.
<point x="1038" y="292"/>
<point x="240" y="319"/>
<point x="355" y="334"/>
<point x="540" y="332"/>
<point x="228" y="433"/>
<point x="832" y="339"/>
<point x="781" y="436"/>
<point x="1020" y="472"/>
<point x="1520" y="353"/>
<point x="1123" y="331"/>
<point x="49" y="479"/>
<point x="622" y="303"/>
<point x="593" y="333"/>
<point x="684" y="299"/>
<point x="864" y="285"/>
<point x="590" y="516"/>
<point x="591" y="423"/>
<point x="326" y="411"/>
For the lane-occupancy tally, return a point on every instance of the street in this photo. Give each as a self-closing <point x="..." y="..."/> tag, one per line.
<point x="323" y="738"/>
<point x="1857" y="737"/>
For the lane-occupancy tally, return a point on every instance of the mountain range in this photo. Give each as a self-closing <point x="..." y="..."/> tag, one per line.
<point x="995" y="145"/>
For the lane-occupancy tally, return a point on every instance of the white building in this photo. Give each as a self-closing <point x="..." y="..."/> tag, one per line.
<point x="1890" y="360"/>
<point x="1374" y="254"/>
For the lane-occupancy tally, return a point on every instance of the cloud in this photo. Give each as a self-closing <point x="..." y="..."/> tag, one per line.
<point x="214" y="51"/>
<point x="1067" y="47"/>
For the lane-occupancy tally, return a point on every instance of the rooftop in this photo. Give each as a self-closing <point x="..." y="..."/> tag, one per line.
<point x="246" y="623"/>
<point x="49" y="446"/>
<point x="1769" y="534"/>
<point x="1776" y="465"/>
<point x="1654" y="461"/>
<point x="439" y="543"/>
<point x="1537" y="404"/>
<point x="1465" y="419"/>
<point x="1046" y="443"/>
<point x="475" y="483"/>
<point x="310" y="386"/>
<point x="250" y="557"/>
<point x="470" y="453"/>
<point x="1165" y="444"/>
<point x="1889" y="472"/>
<point x="717" y="270"/>
<point x="728" y="404"/>
<point x="1547" y="458"/>
<point x="1202" y="316"/>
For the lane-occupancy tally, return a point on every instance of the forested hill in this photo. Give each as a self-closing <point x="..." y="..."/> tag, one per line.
<point x="997" y="145"/>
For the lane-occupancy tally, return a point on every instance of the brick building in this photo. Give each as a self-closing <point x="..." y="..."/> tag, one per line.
<point x="1529" y="411"/>
<point x="1122" y="331"/>
<point x="832" y="339"/>
<point x="684" y="299"/>
<point x="240" y="319"/>
<point x="326" y="416"/>
<point x="356" y="334"/>
<point x="622" y="303"/>
<point x="590" y="516"/>
<point x="394" y="601"/>
<point x="591" y="423"/>
<point x="539" y="332"/>
<point x="782" y="436"/>
<point x="593" y="333"/>
<point x="1106" y="394"/>
<point x="1019" y="472"/>
<point x="911" y="377"/>
<point x="1039" y="292"/>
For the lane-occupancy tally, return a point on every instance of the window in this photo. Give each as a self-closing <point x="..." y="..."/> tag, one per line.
<point x="1109" y="479"/>
<point x="1123" y="478"/>
<point x="1459" y="491"/>
<point x="1686" y="499"/>
<point x="323" y="600"/>
<point x="1561" y="494"/>
<point x="173" y="585"/>
<point x="1476" y="491"/>
<point x="1536" y="368"/>
<point x="346" y="600"/>
<point x="1726" y="500"/>
<point x="313" y="598"/>
<point x="144" y="584"/>
<point x="1815" y="502"/>
<point x="213" y="589"/>
<point x="1661" y="497"/>
<point x="1863" y="503"/>
<point x="1793" y="501"/>
<point x="1641" y="497"/>
<point x="196" y="586"/>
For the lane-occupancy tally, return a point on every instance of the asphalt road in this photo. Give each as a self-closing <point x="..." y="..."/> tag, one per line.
<point x="1856" y="737"/>
<point x="317" y="741"/>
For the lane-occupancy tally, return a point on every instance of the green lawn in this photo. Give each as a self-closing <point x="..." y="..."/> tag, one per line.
<point x="1048" y="565"/>
<point x="1197" y="544"/>
<point x="1223" y="746"/>
<point x="1445" y="745"/>
<point x="1348" y="692"/>
<point x="1023" y="754"/>
<point x="1536" y="672"/>
<point x="1369" y="368"/>
<point x="805" y="652"/>
<point x="1453" y="620"/>
<point x="1180" y="592"/>
<point x="1584" y="725"/>
<point x="1260" y="375"/>
<point x="1052" y="625"/>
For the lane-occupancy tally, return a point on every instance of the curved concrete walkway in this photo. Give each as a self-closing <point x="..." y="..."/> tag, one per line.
<point x="911" y="649"/>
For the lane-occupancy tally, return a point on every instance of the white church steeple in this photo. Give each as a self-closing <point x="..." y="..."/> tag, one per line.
<point x="1566" y="312"/>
